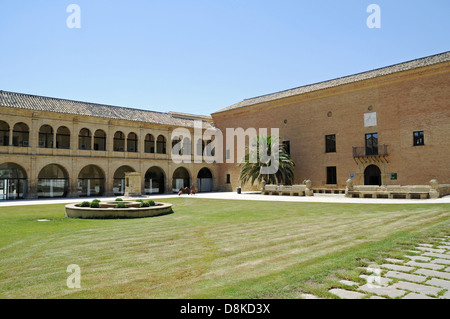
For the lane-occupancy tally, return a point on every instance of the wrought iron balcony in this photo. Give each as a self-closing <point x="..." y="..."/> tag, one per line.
<point x="381" y="150"/>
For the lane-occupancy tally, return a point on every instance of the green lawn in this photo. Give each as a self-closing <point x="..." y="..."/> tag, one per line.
<point x="207" y="248"/>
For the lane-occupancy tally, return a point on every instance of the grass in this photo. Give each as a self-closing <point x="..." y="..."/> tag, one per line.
<point x="207" y="248"/>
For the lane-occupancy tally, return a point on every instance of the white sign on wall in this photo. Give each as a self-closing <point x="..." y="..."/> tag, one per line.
<point x="370" y="119"/>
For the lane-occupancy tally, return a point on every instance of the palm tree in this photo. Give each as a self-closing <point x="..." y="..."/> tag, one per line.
<point x="255" y="167"/>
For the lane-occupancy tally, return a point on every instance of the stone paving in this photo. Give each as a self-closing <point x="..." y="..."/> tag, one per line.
<point x="423" y="275"/>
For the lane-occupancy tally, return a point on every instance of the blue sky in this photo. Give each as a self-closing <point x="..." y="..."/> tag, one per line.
<point x="199" y="56"/>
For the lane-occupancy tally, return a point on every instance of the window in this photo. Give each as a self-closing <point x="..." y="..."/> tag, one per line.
<point x="161" y="145"/>
<point x="228" y="179"/>
<point x="330" y="143"/>
<point x="372" y="144"/>
<point x="149" y="144"/>
<point x="331" y="175"/>
<point x="84" y="139"/>
<point x="119" y="142"/>
<point x="46" y="137"/>
<point x="100" y="140"/>
<point x="287" y="147"/>
<point x="419" y="138"/>
<point x="63" y="138"/>
<point x="4" y="134"/>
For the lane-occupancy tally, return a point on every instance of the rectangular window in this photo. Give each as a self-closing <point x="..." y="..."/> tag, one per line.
<point x="331" y="175"/>
<point x="287" y="147"/>
<point x="372" y="144"/>
<point x="419" y="138"/>
<point x="330" y="143"/>
<point x="228" y="154"/>
<point x="228" y="179"/>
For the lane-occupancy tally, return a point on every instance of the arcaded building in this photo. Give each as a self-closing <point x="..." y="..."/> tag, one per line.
<point x="388" y="126"/>
<point x="52" y="147"/>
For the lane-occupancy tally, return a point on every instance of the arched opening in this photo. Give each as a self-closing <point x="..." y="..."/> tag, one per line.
<point x="53" y="181"/>
<point x="204" y="180"/>
<point x="99" y="140"/>
<point x="46" y="136"/>
<point x="149" y="144"/>
<point x="4" y="133"/>
<point x="85" y="139"/>
<point x="372" y="175"/>
<point x="21" y="135"/>
<point x="91" y="181"/>
<point x="119" y="142"/>
<point x="63" y="138"/>
<point x="119" y="179"/>
<point x="13" y="181"/>
<point x="161" y="145"/>
<point x="155" y="181"/>
<point x="180" y="179"/>
<point x="132" y="143"/>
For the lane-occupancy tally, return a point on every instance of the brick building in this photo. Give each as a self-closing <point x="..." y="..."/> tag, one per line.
<point x="387" y="126"/>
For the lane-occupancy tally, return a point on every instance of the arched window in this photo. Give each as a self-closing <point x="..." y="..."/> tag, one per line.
<point x="204" y="180"/>
<point x="21" y="135"/>
<point x="155" y="181"/>
<point x="149" y="144"/>
<point x="13" y="181"/>
<point x="132" y="143"/>
<point x="161" y="145"/>
<point x="180" y="179"/>
<point x="46" y="136"/>
<point x="119" y="179"/>
<point x="119" y="142"/>
<point x="4" y="133"/>
<point x="85" y="139"/>
<point x="53" y="181"/>
<point x="63" y="137"/>
<point x="91" y="181"/>
<point x="100" y="140"/>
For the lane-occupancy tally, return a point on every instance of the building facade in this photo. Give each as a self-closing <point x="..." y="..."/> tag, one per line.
<point x="58" y="148"/>
<point x="388" y="126"/>
<point x="383" y="127"/>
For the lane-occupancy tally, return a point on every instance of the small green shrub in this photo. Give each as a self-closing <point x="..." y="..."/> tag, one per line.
<point x="152" y="203"/>
<point x="85" y="204"/>
<point x="139" y="200"/>
<point x="95" y="204"/>
<point x="121" y="205"/>
<point x="119" y="200"/>
<point x="145" y="204"/>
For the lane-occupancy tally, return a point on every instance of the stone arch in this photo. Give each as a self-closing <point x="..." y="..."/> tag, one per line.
<point x="13" y="181"/>
<point x="205" y="180"/>
<point x="180" y="178"/>
<point x="372" y="175"/>
<point x="63" y="137"/>
<point x="53" y="181"/>
<point x="21" y="135"/>
<point x="91" y="181"/>
<point x="4" y="133"/>
<point x="119" y="179"/>
<point x="155" y="180"/>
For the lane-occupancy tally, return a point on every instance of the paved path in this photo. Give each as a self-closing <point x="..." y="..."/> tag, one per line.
<point x="424" y="274"/>
<point x="318" y="198"/>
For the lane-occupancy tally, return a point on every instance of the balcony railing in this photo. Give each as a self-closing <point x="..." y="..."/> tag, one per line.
<point x="381" y="150"/>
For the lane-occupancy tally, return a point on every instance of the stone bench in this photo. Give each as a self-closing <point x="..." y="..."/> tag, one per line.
<point x="291" y="190"/>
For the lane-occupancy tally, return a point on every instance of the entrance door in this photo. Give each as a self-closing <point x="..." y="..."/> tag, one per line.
<point x="372" y="175"/>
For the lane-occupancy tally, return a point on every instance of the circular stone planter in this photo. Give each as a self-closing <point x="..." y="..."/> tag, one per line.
<point x="75" y="211"/>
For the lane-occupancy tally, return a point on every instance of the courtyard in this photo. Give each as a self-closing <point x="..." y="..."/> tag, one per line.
<point x="220" y="245"/>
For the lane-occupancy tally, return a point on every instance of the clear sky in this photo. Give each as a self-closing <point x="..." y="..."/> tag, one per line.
<point x="198" y="56"/>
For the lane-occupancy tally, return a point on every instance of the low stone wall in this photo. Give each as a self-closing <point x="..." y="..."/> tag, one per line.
<point x="75" y="211"/>
<point x="291" y="190"/>
<point x="433" y="190"/>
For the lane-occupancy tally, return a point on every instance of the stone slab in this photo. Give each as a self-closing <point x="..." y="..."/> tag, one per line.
<point x="397" y="267"/>
<point x="382" y="280"/>
<point x="441" y="261"/>
<point x="404" y="276"/>
<point x="413" y="295"/>
<point x="439" y="283"/>
<point x="433" y="273"/>
<point x="346" y="294"/>
<point x="389" y="291"/>
<point x="419" y="288"/>
<point x="421" y="258"/>
<point x="348" y="283"/>
<point x="425" y="265"/>
<point x="430" y="254"/>
<point x="394" y="261"/>
<point x="432" y="250"/>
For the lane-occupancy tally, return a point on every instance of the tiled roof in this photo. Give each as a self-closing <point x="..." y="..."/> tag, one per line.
<point x="49" y="104"/>
<point x="410" y="65"/>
